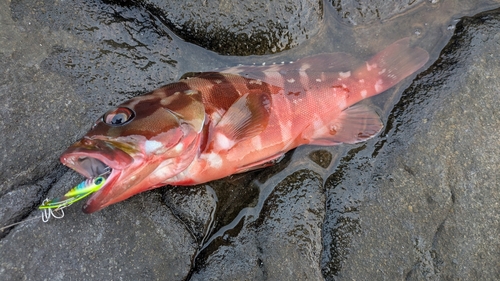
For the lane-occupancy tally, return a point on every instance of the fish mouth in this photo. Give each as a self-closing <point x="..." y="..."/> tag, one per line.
<point x="87" y="166"/>
<point x="92" y="158"/>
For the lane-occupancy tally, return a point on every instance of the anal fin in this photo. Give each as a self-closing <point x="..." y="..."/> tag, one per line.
<point x="355" y="124"/>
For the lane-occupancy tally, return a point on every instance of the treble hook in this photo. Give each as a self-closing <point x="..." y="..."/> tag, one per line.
<point x="47" y="213"/>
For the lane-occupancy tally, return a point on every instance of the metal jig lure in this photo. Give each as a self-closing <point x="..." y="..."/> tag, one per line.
<point x="82" y="190"/>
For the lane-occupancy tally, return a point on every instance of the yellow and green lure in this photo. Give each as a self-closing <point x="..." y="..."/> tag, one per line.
<point x="82" y="190"/>
<point x="54" y="208"/>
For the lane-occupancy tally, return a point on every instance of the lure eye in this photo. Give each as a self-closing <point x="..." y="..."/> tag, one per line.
<point x="98" y="181"/>
<point x="119" y="116"/>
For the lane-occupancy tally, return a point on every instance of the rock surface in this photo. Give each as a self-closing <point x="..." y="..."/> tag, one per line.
<point x="241" y="27"/>
<point x="435" y="212"/>
<point x="357" y="12"/>
<point x="419" y="202"/>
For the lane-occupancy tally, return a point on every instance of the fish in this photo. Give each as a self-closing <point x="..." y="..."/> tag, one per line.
<point x="210" y="125"/>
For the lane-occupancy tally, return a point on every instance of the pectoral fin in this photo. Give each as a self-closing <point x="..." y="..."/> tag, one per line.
<point x="355" y="124"/>
<point x="246" y="118"/>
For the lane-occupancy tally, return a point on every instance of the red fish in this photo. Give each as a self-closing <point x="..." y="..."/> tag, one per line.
<point x="215" y="124"/>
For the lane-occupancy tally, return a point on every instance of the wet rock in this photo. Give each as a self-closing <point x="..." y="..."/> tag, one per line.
<point x="46" y="97"/>
<point x="433" y="210"/>
<point x="18" y="204"/>
<point x="35" y="122"/>
<point x="357" y="12"/>
<point x="279" y="239"/>
<point x="116" y="50"/>
<point x="321" y="157"/>
<point x="241" y="27"/>
<point x="194" y="206"/>
<point x="419" y="202"/>
<point x="130" y="242"/>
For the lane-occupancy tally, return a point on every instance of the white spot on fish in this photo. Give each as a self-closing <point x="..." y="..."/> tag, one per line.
<point x="319" y="128"/>
<point x="382" y="72"/>
<point x="191" y="92"/>
<point x="318" y="80"/>
<point x="317" y="123"/>
<point x="378" y="86"/>
<point x="361" y="80"/>
<point x="263" y="63"/>
<point x="342" y="103"/>
<point x="345" y="74"/>
<point x="257" y="142"/>
<point x="217" y="81"/>
<point x="223" y="142"/>
<point x="364" y="93"/>
<point x="286" y="133"/>
<point x="215" y="116"/>
<point x="150" y="146"/>
<point x="258" y="82"/>
<point x="213" y="159"/>
<point x="291" y="80"/>
<point x="179" y="147"/>
<point x="305" y="67"/>
<point x="344" y="86"/>
<point x="369" y="67"/>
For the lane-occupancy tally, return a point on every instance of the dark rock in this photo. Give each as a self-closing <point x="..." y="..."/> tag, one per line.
<point x="194" y="206"/>
<point x="357" y="12"/>
<point x="279" y="239"/>
<point x="17" y="204"/>
<point x="36" y="122"/>
<point x="432" y="213"/>
<point x="127" y="242"/>
<point x="418" y="202"/>
<point x="321" y="157"/>
<point x="241" y="27"/>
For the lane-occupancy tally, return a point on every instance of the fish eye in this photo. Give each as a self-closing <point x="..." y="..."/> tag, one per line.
<point x="119" y="116"/>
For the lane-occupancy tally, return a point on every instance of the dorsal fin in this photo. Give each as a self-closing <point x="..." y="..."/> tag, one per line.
<point x="331" y="64"/>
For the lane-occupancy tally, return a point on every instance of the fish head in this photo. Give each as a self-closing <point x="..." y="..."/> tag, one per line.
<point x="140" y="144"/>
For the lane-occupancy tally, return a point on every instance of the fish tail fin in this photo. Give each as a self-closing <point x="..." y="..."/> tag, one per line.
<point x="391" y="65"/>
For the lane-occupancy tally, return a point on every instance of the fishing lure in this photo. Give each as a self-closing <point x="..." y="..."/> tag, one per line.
<point x="54" y="208"/>
<point x="82" y="190"/>
<point x="78" y="192"/>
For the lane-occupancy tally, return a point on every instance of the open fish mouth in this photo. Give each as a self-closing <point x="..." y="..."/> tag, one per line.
<point x="93" y="157"/>
<point x="91" y="167"/>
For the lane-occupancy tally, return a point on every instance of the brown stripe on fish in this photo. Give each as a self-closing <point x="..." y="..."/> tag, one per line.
<point x="221" y="91"/>
<point x="171" y="89"/>
<point x="151" y="119"/>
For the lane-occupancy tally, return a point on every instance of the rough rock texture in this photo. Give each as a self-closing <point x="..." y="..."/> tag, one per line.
<point x="419" y="202"/>
<point x="142" y="241"/>
<point x="266" y="239"/>
<point x="364" y="12"/>
<point x="427" y="206"/>
<point x="241" y="27"/>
